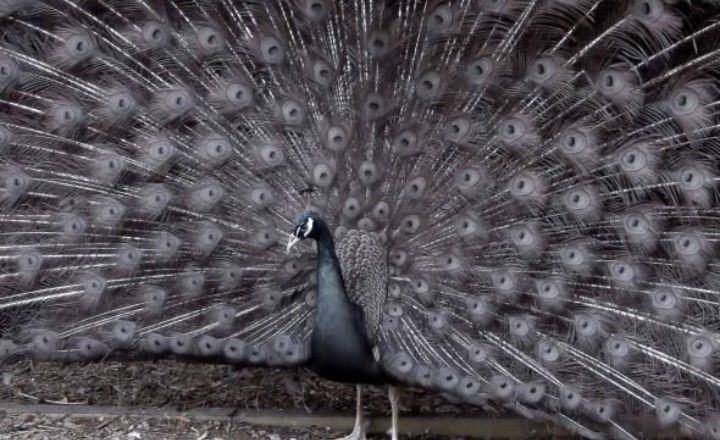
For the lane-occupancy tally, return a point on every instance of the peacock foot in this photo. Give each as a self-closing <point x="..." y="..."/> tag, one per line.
<point x="394" y="397"/>
<point x="358" y="432"/>
<point x="360" y="429"/>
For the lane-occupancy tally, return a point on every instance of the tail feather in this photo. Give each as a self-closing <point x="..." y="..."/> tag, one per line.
<point x="541" y="173"/>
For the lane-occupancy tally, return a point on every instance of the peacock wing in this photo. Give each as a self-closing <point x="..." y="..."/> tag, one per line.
<point x="364" y="266"/>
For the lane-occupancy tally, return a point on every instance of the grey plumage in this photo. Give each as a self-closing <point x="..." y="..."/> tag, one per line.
<point x="541" y="176"/>
<point x="364" y="264"/>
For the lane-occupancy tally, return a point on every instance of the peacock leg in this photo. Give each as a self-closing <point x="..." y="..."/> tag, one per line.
<point x="394" y="397"/>
<point x="358" y="432"/>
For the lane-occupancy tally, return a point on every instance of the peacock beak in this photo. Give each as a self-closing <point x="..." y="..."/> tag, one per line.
<point x="292" y="242"/>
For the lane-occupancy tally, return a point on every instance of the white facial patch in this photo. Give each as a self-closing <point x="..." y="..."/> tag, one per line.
<point x="308" y="229"/>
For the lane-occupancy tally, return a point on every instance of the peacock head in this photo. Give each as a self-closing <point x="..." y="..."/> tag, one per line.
<point x="306" y="225"/>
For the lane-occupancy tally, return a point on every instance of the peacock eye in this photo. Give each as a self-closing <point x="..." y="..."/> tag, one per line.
<point x="300" y="231"/>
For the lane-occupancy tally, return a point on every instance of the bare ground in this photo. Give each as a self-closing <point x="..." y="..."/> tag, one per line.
<point x="168" y="384"/>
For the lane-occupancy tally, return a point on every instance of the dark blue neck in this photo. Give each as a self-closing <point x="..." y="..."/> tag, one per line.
<point x="327" y="260"/>
<point x="331" y="296"/>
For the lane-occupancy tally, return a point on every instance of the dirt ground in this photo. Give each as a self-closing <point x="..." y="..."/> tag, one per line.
<point x="55" y="428"/>
<point x="168" y="384"/>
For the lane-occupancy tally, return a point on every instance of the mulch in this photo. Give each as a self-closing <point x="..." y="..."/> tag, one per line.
<point x="170" y="384"/>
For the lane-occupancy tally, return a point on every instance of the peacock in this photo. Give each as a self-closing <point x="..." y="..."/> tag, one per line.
<point x="511" y="203"/>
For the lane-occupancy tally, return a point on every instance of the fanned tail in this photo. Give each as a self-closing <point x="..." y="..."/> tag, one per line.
<point x="541" y="173"/>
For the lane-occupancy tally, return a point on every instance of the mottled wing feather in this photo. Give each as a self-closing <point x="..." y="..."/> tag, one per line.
<point x="363" y="261"/>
